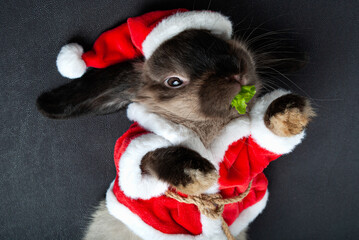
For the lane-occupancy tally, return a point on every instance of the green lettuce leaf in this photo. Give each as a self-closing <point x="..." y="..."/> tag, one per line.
<point x="243" y="97"/>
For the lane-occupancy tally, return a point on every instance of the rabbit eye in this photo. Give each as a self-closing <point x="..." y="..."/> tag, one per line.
<point x="174" y="82"/>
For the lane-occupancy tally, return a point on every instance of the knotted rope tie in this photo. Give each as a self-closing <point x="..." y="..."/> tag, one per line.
<point x="211" y="205"/>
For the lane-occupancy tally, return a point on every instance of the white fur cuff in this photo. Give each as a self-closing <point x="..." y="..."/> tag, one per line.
<point x="131" y="180"/>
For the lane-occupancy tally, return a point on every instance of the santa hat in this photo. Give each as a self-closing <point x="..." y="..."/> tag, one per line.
<point x="139" y="36"/>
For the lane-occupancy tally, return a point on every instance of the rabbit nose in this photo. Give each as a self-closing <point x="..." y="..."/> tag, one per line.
<point x="241" y="79"/>
<point x="236" y="77"/>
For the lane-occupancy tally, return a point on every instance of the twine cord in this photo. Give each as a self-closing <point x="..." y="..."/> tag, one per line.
<point x="211" y="205"/>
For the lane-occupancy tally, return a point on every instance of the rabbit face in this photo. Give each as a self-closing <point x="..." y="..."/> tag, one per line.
<point x="195" y="75"/>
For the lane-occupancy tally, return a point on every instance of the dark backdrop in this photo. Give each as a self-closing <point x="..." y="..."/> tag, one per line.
<point x="54" y="172"/>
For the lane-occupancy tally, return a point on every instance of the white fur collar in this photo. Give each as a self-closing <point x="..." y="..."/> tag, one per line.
<point x="179" y="134"/>
<point x="175" y="133"/>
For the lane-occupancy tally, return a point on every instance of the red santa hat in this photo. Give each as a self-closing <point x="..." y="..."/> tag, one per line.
<point x="139" y="36"/>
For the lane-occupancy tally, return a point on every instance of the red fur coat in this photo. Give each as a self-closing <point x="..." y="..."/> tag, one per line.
<point x="240" y="153"/>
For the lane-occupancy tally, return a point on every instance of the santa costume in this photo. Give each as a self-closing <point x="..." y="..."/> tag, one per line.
<point x="240" y="153"/>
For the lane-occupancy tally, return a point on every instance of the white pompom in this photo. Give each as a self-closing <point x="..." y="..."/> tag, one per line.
<point x="69" y="61"/>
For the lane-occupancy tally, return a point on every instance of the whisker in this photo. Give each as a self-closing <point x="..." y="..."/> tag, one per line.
<point x="194" y="4"/>
<point x="209" y="4"/>
<point x="245" y="18"/>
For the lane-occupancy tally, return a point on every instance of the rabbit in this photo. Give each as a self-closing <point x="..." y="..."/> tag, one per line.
<point x="184" y="130"/>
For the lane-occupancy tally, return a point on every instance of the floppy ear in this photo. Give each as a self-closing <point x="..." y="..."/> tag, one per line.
<point x="99" y="91"/>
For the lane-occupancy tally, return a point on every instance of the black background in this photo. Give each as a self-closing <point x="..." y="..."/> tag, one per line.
<point x="54" y="172"/>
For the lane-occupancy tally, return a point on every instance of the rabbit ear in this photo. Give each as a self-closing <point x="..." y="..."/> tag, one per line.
<point x="99" y="91"/>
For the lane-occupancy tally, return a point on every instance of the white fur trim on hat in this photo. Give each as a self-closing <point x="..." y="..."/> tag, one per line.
<point x="69" y="61"/>
<point x="131" y="180"/>
<point x="179" y="22"/>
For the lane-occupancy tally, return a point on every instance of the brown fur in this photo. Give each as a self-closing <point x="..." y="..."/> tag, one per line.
<point x="288" y="115"/>
<point x="104" y="226"/>
<point x="181" y="167"/>
<point x="203" y="104"/>
<point x="200" y="181"/>
<point x="242" y="235"/>
<point x="206" y="130"/>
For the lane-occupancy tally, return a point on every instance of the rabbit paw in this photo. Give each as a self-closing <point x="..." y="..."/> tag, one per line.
<point x="197" y="181"/>
<point x="288" y="115"/>
<point x="182" y="168"/>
